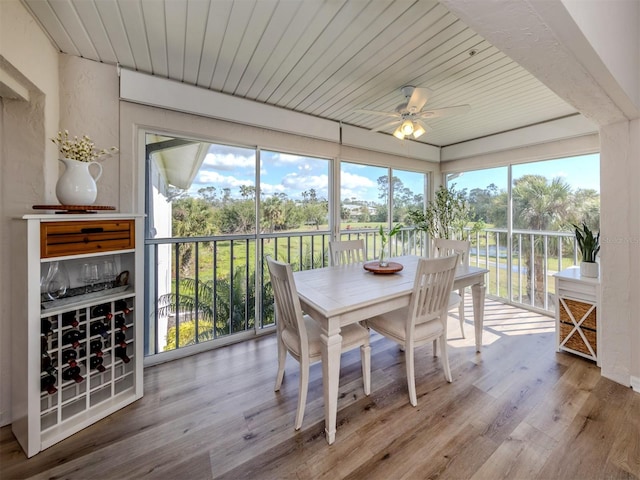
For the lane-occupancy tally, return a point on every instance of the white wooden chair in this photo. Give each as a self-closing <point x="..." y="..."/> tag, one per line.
<point x="299" y="335"/>
<point x="346" y="251"/>
<point x="443" y="247"/>
<point x="425" y="319"/>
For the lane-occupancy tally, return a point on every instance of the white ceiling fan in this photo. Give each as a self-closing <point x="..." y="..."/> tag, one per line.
<point x="409" y="115"/>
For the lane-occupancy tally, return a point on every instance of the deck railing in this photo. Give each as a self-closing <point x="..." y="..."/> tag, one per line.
<point x="521" y="268"/>
<point x="204" y="289"/>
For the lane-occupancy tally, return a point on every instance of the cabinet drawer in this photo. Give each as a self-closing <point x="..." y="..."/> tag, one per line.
<point x="578" y="291"/>
<point x="92" y="236"/>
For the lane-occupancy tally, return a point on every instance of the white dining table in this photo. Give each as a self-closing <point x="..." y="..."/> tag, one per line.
<point x="344" y="294"/>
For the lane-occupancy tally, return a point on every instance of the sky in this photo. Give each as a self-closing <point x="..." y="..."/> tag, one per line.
<point x="231" y="167"/>
<point x="579" y="172"/>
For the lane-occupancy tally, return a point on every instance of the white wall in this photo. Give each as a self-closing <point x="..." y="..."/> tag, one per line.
<point x="27" y="159"/>
<point x="597" y="20"/>
<point x="620" y="250"/>
<point x="82" y="112"/>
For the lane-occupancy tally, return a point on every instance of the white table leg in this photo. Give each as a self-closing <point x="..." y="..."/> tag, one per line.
<point x="331" y="349"/>
<point x="477" y="293"/>
<point x="461" y="311"/>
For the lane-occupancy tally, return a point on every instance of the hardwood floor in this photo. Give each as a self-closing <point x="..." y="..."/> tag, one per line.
<point x="518" y="410"/>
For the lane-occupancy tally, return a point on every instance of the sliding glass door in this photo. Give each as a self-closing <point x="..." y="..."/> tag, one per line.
<point x="214" y="211"/>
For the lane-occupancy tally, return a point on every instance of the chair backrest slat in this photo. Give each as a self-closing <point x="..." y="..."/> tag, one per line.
<point x="443" y="247"/>
<point x="432" y="286"/>
<point x="346" y="251"/>
<point x="288" y="310"/>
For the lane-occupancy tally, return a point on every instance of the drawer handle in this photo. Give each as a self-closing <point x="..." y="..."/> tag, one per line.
<point x="92" y="230"/>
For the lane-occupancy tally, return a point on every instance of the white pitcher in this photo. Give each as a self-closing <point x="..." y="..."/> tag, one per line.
<point x="77" y="185"/>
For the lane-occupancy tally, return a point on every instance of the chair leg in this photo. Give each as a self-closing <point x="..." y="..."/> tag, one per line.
<point x="435" y="347"/>
<point x="411" y="377"/>
<point x="282" y="357"/>
<point x="445" y="359"/>
<point x="302" y="391"/>
<point x="365" y="359"/>
<point x="461" y="311"/>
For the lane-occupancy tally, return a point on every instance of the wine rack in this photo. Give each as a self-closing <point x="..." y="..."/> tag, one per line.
<point x="88" y="338"/>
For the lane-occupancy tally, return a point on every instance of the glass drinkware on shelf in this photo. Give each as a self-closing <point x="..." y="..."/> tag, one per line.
<point x="56" y="282"/>
<point x="108" y="273"/>
<point x="89" y="275"/>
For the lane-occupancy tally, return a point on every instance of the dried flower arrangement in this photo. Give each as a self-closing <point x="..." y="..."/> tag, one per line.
<point x="80" y="149"/>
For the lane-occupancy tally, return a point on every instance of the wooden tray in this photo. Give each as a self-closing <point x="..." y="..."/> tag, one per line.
<point x="375" y="267"/>
<point x="74" y="208"/>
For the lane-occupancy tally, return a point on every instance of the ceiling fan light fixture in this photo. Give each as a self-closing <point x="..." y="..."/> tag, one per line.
<point x="398" y="133"/>
<point x="418" y="131"/>
<point x="407" y="127"/>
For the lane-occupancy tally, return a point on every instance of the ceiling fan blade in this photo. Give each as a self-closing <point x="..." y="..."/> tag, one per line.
<point x="385" y="126"/>
<point x="418" y="99"/>
<point x="444" y="112"/>
<point x="376" y="112"/>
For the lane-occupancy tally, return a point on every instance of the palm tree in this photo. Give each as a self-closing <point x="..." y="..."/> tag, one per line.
<point x="191" y="217"/>
<point x="219" y="308"/>
<point x="273" y="212"/>
<point x="586" y="208"/>
<point x="539" y="205"/>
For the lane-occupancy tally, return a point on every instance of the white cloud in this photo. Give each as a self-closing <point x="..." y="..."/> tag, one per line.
<point x="269" y="189"/>
<point x="286" y="159"/>
<point x="357" y="186"/>
<point x="351" y="181"/>
<point x="229" y="161"/>
<point x="301" y="183"/>
<point x="208" y="177"/>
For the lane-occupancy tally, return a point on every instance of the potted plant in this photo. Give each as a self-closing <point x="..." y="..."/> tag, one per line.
<point x="445" y="217"/>
<point x="384" y="239"/>
<point x="589" y="246"/>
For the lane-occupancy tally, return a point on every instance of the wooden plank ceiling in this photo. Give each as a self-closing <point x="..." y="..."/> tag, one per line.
<point x="325" y="58"/>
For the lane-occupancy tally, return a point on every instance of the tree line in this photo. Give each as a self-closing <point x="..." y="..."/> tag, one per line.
<point x="538" y="204"/>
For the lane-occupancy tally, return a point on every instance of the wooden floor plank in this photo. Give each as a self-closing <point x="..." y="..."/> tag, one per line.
<point x="518" y="410"/>
<point x="521" y="455"/>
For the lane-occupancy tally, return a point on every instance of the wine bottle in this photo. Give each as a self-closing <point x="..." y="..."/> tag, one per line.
<point x="46" y="327"/>
<point x="95" y="347"/>
<point x="121" y="322"/>
<point x="48" y="384"/>
<point x="69" y="319"/>
<point x="121" y="339"/>
<point x="98" y="328"/>
<point x="72" y="373"/>
<point x="47" y="364"/>
<point x="121" y="353"/>
<point x="122" y="305"/>
<point x="72" y="337"/>
<point x="96" y="363"/>
<point x="103" y="310"/>
<point x="69" y="356"/>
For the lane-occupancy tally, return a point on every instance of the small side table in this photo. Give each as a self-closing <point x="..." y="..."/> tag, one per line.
<point x="577" y="313"/>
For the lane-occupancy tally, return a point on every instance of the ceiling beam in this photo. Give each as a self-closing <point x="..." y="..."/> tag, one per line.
<point x="543" y="38"/>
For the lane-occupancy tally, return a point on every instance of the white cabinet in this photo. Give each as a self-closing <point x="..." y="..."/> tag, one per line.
<point x="77" y="357"/>
<point x="577" y="313"/>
